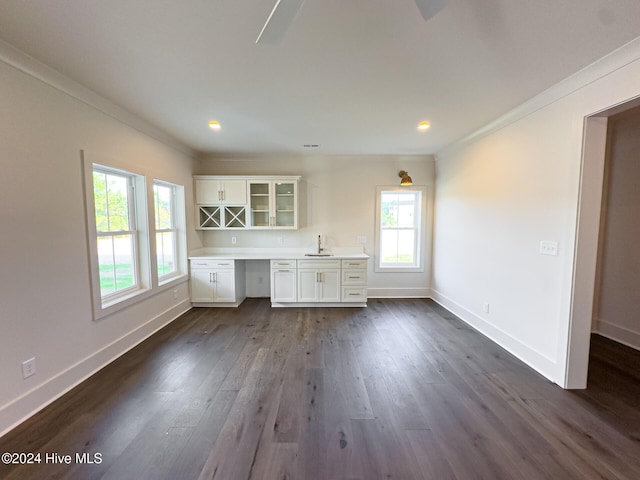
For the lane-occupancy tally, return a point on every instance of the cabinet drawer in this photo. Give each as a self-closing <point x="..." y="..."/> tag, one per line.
<point x="275" y="264"/>
<point x="195" y="264"/>
<point x="318" y="263"/>
<point x="354" y="277"/>
<point x="354" y="263"/>
<point x="354" y="294"/>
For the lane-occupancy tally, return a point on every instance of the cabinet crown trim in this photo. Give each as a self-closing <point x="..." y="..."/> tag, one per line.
<point x="247" y="177"/>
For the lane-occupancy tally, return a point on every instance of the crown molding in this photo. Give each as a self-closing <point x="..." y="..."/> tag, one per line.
<point x="21" y="61"/>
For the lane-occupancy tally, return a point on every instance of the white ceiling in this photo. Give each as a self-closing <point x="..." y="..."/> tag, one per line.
<point x="354" y="76"/>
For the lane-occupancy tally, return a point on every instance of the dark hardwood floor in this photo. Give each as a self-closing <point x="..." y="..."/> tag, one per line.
<point x="399" y="390"/>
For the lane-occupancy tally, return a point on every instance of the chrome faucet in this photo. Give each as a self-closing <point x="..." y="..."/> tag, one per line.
<point x="319" y="247"/>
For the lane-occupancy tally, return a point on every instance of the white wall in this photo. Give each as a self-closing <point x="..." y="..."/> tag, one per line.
<point x="617" y="308"/>
<point x="503" y="191"/>
<point x="337" y="200"/>
<point x="45" y="309"/>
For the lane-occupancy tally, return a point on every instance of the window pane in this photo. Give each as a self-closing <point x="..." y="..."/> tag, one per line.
<point x="106" y="265"/>
<point x="117" y="203"/>
<point x="124" y="261"/>
<point x="389" y="246"/>
<point x="389" y="210"/>
<point x="100" y="201"/>
<point x="115" y="263"/>
<point x="406" y="246"/>
<point x="162" y="195"/>
<point x="406" y="211"/>
<point x="165" y="249"/>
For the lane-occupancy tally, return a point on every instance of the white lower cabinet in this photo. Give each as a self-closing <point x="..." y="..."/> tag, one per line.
<point x="216" y="282"/>
<point x="304" y="282"/>
<point x="318" y="280"/>
<point x="354" y="281"/>
<point x="283" y="281"/>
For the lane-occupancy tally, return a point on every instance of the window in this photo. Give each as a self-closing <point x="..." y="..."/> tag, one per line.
<point x="164" y="195"/>
<point x="120" y="233"/>
<point x="116" y="232"/>
<point x="400" y="220"/>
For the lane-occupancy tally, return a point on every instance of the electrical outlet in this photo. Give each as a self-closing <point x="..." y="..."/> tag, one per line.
<point x="485" y="307"/>
<point x="280" y="240"/>
<point x="234" y="240"/>
<point x="548" y="248"/>
<point x="28" y="367"/>
<point x="175" y="294"/>
<point x="361" y="239"/>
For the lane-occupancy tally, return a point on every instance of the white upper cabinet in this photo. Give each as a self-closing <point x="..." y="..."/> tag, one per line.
<point x="251" y="202"/>
<point x="220" y="191"/>
<point x="273" y="203"/>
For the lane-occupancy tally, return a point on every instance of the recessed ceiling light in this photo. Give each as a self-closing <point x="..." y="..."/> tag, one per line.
<point x="422" y="126"/>
<point x="214" y="125"/>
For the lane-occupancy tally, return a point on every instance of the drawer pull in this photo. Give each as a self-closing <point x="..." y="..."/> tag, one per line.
<point x="284" y="271"/>
<point x="354" y="294"/>
<point x="352" y="276"/>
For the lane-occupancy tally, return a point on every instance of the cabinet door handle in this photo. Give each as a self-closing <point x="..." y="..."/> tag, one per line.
<point x="215" y="277"/>
<point x="210" y="277"/>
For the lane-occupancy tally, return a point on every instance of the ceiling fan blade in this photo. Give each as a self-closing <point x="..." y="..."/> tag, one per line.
<point x="428" y="8"/>
<point x="283" y="13"/>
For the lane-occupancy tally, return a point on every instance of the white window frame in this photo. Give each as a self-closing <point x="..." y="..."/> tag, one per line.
<point x="109" y="304"/>
<point x="177" y="228"/>
<point x="421" y="227"/>
<point x="132" y="231"/>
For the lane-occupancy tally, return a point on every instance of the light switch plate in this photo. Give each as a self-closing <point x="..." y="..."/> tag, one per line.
<point x="548" y="248"/>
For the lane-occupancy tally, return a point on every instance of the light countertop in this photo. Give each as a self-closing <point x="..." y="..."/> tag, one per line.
<point x="350" y="253"/>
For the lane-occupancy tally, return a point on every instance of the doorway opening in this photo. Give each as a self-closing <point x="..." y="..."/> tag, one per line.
<point x="601" y="135"/>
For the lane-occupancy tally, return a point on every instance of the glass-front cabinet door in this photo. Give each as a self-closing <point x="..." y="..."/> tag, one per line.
<point x="284" y="214"/>
<point x="259" y="203"/>
<point x="273" y="204"/>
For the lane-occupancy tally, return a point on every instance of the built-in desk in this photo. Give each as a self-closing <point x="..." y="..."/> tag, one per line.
<point x="296" y="279"/>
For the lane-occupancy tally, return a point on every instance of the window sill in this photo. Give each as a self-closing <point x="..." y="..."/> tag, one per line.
<point x="171" y="279"/>
<point x="105" y="309"/>
<point x="114" y="305"/>
<point x="379" y="269"/>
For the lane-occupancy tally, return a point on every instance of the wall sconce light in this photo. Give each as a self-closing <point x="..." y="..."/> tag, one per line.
<point x="405" y="179"/>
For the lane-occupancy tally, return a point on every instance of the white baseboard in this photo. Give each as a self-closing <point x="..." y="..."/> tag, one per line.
<point x="536" y="360"/>
<point x="19" y="409"/>
<point x="627" y="337"/>
<point x="402" y="292"/>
